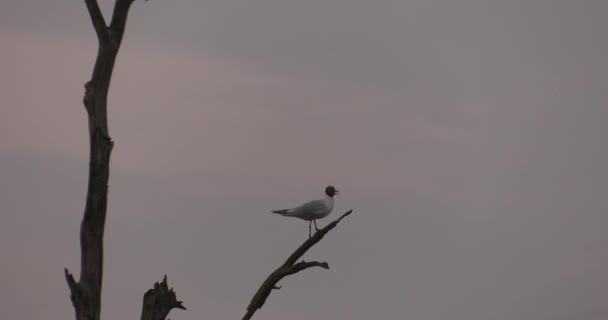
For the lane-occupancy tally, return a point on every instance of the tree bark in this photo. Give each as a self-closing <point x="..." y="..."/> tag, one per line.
<point x="290" y="267"/>
<point x="86" y="293"/>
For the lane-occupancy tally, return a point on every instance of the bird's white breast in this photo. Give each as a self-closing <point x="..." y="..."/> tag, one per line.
<point x="328" y="206"/>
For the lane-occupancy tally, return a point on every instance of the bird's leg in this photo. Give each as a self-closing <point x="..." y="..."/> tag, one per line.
<point x="315" y="221"/>
<point x="310" y="229"/>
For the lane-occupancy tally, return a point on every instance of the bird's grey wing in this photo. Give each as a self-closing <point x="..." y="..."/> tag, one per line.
<point x="310" y="207"/>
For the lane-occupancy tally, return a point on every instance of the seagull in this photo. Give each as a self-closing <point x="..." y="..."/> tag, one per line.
<point x="313" y="210"/>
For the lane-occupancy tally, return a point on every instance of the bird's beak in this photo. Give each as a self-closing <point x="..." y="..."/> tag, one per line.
<point x="337" y="192"/>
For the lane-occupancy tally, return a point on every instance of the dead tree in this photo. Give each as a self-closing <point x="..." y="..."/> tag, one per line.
<point x="86" y="293"/>
<point x="290" y="267"/>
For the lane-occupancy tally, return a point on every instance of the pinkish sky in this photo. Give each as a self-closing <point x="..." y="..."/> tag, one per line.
<point x="469" y="137"/>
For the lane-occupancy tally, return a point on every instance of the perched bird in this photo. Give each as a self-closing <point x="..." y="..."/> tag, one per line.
<point x="313" y="210"/>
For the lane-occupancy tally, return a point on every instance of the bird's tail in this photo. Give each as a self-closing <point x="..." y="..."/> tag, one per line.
<point x="281" y="212"/>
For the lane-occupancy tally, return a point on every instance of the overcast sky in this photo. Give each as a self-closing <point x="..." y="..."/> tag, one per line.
<point x="469" y="137"/>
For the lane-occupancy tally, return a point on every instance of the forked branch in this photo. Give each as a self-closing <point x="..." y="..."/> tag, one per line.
<point x="290" y="267"/>
<point x="86" y="292"/>
<point x="99" y="23"/>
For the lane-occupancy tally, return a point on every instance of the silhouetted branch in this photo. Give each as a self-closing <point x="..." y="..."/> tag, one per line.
<point x="290" y="267"/>
<point x="99" y="23"/>
<point x="119" y="16"/>
<point x="86" y="293"/>
<point x="313" y="240"/>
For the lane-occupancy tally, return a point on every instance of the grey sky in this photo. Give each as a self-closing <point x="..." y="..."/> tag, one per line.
<point x="468" y="136"/>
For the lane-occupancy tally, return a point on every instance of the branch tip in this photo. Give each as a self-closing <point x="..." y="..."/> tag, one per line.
<point x="70" y="279"/>
<point x="345" y="214"/>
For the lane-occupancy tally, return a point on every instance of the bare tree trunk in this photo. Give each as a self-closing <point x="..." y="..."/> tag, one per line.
<point x="86" y="293"/>
<point x="290" y="267"/>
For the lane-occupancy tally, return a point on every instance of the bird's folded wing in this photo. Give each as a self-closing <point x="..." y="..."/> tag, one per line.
<point x="310" y="207"/>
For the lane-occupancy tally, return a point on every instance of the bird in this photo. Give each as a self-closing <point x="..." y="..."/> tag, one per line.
<point x="312" y="210"/>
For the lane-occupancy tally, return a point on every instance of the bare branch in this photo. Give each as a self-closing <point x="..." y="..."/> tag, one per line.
<point x="86" y="293"/>
<point x="75" y="294"/>
<point x="313" y="240"/>
<point x="305" y="265"/>
<point x="290" y="267"/>
<point x="119" y="16"/>
<point x="99" y="22"/>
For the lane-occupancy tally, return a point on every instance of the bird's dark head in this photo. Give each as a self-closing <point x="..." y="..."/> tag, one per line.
<point x="331" y="191"/>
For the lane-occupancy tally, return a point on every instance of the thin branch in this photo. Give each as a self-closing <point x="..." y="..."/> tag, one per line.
<point x="119" y="16"/>
<point x="313" y="240"/>
<point x="290" y="267"/>
<point x="75" y="294"/>
<point x="305" y="265"/>
<point x="99" y="23"/>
